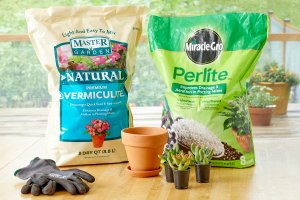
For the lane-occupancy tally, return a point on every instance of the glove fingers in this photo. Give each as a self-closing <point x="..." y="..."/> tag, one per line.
<point x="35" y="190"/>
<point x="68" y="185"/>
<point x="81" y="187"/>
<point x="86" y="186"/>
<point x="50" y="188"/>
<point x="78" y="183"/>
<point x="59" y="187"/>
<point x="84" y="175"/>
<point x="40" y="179"/>
<point x="27" y="187"/>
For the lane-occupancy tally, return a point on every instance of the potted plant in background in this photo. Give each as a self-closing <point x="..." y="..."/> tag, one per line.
<point x="202" y="157"/>
<point x="279" y="81"/>
<point x="261" y="105"/>
<point x="164" y="160"/>
<point x="237" y="119"/>
<point x="180" y="164"/>
<point x="98" y="130"/>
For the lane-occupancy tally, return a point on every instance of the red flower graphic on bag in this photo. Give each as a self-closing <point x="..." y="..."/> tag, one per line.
<point x="98" y="129"/>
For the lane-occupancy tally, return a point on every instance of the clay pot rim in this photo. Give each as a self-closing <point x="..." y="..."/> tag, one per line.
<point x="263" y="108"/>
<point x="274" y="83"/>
<point x="144" y="137"/>
<point x="147" y="131"/>
<point x="234" y="130"/>
<point x="260" y="111"/>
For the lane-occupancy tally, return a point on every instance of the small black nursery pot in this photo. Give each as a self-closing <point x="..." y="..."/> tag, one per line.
<point x="202" y="173"/>
<point x="181" y="178"/>
<point x="169" y="173"/>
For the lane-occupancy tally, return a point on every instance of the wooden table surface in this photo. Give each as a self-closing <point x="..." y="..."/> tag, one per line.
<point x="275" y="176"/>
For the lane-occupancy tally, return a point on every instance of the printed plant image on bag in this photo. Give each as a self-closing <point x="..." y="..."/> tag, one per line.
<point x="205" y="62"/>
<point x="98" y="130"/>
<point x="117" y="59"/>
<point x="238" y="121"/>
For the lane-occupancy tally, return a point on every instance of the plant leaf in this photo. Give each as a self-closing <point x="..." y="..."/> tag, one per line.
<point x="228" y="123"/>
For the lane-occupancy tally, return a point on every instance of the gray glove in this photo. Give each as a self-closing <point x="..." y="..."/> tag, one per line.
<point x="44" y="176"/>
<point x="30" y="187"/>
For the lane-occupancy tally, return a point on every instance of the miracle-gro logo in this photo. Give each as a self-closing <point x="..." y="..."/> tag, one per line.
<point x="90" y="46"/>
<point x="204" y="46"/>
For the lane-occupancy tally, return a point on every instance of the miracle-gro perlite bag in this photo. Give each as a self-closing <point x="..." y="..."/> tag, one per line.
<point x="205" y="62"/>
<point x="89" y="53"/>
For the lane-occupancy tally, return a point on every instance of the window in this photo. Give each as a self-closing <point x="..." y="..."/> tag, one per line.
<point x="24" y="83"/>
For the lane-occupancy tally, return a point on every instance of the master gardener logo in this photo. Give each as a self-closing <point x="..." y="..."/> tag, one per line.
<point x="204" y="46"/>
<point x="90" y="46"/>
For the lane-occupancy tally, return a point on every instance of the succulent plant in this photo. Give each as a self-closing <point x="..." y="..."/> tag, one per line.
<point x="202" y="155"/>
<point x="168" y="152"/>
<point x="180" y="161"/>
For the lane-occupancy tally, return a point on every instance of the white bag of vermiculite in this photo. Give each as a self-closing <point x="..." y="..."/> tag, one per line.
<point x="89" y="54"/>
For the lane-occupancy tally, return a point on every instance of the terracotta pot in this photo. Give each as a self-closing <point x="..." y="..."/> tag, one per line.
<point x="142" y="145"/>
<point x="243" y="140"/>
<point x="282" y="91"/>
<point x="98" y="140"/>
<point x="261" y="116"/>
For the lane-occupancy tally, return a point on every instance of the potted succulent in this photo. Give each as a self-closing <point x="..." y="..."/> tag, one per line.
<point x="279" y="80"/>
<point x="202" y="157"/>
<point x="98" y="130"/>
<point x="164" y="160"/>
<point x="180" y="164"/>
<point x="261" y="105"/>
<point x="238" y="120"/>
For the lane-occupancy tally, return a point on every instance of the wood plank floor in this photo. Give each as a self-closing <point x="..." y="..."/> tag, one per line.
<point x="275" y="177"/>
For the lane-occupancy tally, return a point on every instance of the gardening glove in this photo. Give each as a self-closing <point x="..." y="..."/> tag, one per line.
<point x="45" y="175"/>
<point x="30" y="187"/>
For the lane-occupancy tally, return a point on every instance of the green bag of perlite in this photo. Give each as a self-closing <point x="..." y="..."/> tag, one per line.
<point x="205" y="62"/>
